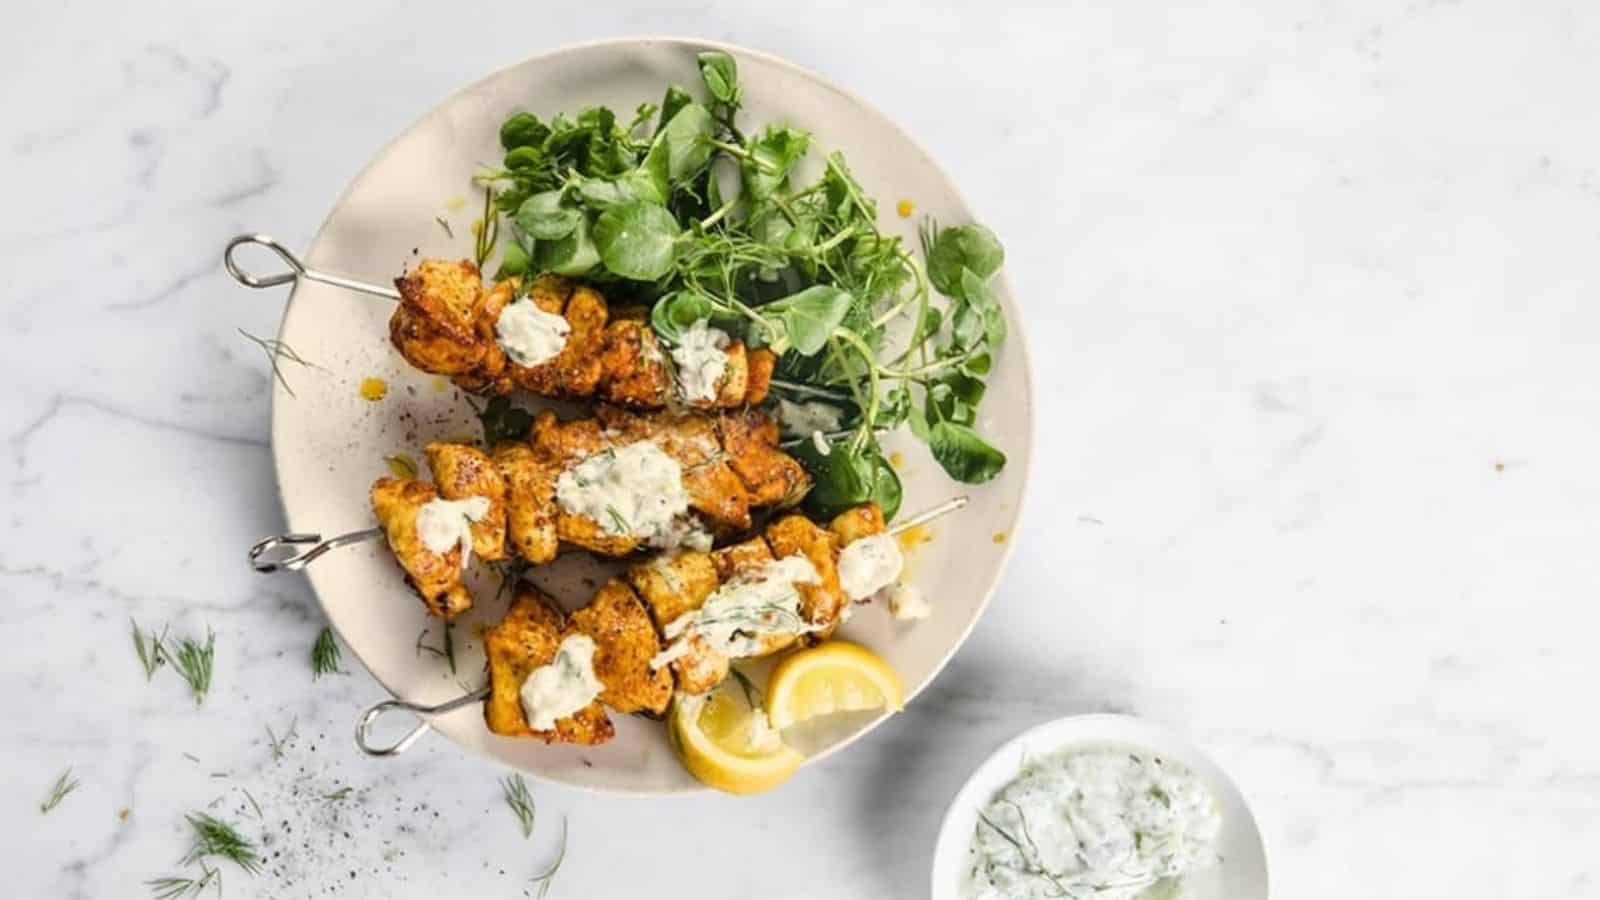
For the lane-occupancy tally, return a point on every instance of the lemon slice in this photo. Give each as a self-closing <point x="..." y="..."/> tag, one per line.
<point x="729" y="745"/>
<point x="832" y="677"/>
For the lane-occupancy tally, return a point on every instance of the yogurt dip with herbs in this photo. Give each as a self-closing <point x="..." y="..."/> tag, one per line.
<point x="1109" y="823"/>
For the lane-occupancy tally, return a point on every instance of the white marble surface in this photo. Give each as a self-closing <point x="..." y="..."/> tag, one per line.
<point x="1312" y="287"/>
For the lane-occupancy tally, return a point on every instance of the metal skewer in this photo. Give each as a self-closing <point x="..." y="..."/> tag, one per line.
<point x="377" y="710"/>
<point x="297" y="270"/>
<point x="364" y="725"/>
<point x="269" y="564"/>
<point x="297" y="561"/>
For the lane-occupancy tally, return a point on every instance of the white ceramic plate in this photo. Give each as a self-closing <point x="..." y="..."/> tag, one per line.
<point x="1242" y="875"/>
<point x="329" y="443"/>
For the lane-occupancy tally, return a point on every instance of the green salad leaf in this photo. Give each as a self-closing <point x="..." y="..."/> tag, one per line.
<point x="683" y="209"/>
<point x="636" y="240"/>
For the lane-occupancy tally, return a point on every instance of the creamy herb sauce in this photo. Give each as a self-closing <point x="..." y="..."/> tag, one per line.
<point x="528" y="334"/>
<point x="744" y="610"/>
<point x="635" y="490"/>
<point x="701" y="361"/>
<point x="1105" y="824"/>
<point x="868" y="565"/>
<point x="907" y="603"/>
<point x="797" y="419"/>
<point x="563" y="687"/>
<point x="442" y="524"/>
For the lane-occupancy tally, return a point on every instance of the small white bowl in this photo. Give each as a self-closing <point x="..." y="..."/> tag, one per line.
<point x="1242" y="874"/>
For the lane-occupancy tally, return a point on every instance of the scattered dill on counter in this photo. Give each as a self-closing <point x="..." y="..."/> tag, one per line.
<point x="279" y="744"/>
<point x="150" y="648"/>
<point x="520" y="799"/>
<point x="275" y="350"/>
<point x="325" y="654"/>
<point x="64" y="785"/>
<point x="193" y="660"/>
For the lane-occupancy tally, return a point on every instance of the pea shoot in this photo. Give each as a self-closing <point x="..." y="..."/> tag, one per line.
<point x="705" y="220"/>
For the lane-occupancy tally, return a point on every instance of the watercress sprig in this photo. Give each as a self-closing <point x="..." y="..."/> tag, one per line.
<point x="705" y="221"/>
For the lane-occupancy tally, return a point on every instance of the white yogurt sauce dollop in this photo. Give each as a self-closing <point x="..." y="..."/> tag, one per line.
<point x="1106" y="824"/>
<point x="528" y="334"/>
<point x="799" y="419"/>
<point x="635" y="490"/>
<point x="747" y="608"/>
<point x="442" y="524"/>
<point x="870" y="564"/>
<point x="700" y="360"/>
<point x="906" y="603"/>
<point x="563" y="687"/>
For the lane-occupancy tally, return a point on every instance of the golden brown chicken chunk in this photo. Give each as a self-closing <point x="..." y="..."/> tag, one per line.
<point x="745" y="558"/>
<point x="635" y="370"/>
<point x="433" y="325"/>
<point x="566" y="443"/>
<point x="859" y="522"/>
<point x="574" y="372"/>
<point x="771" y="476"/>
<point x="435" y="577"/>
<point x="759" y="381"/>
<point x="524" y="640"/>
<point x="735" y="381"/>
<point x="530" y="502"/>
<point x="461" y="472"/>
<point x="822" y="603"/>
<point x="673" y="586"/>
<point x="625" y="642"/>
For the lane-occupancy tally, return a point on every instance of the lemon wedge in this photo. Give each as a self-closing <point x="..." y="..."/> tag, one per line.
<point x="729" y="745"/>
<point x="832" y="677"/>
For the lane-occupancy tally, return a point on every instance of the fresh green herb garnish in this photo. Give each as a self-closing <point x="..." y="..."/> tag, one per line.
<point x="276" y="349"/>
<point x="173" y="887"/>
<point x="447" y="649"/>
<point x="752" y="694"/>
<point x="502" y="422"/>
<point x="211" y="837"/>
<point x="150" y="649"/>
<point x="64" y="785"/>
<point x="520" y="799"/>
<point x="802" y="269"/>
<point x="253" y="804"/>
<point x="544" y="878"/>
<point x="510" y="572"/>
<point x="401" y="465"/>
<point x="446" y="226"/>
<point x="325" y="654"/>
<point x="193" y="661"/>
<point x="488" y="228"/>
<point x="279" y="744"/>
<point x="214" y="837"/>
<point x="338" y="795"/>
<point x="619" y="524"/>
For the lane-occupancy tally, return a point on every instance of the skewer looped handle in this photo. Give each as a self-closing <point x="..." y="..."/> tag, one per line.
<point x="297" y="270"/>
<point x="266" y="564"/>
<point x="377" y="710"/>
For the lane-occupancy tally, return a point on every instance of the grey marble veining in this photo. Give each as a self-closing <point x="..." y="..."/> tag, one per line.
<point x="1311" y="292"/>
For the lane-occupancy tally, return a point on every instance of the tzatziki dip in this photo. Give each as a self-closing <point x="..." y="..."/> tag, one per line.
<point x="1109" y="823"/>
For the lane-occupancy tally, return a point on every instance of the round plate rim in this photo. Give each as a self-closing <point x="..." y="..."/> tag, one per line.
<point x="1017" y="338"/>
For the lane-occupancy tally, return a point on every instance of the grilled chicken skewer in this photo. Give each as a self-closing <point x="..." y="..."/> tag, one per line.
<point x="556" y="339"/>
<point x="794" y="583"/>
<point x="561" y="339"/>
<point x="611" y="484"/>
<point x="688" y="613"/>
